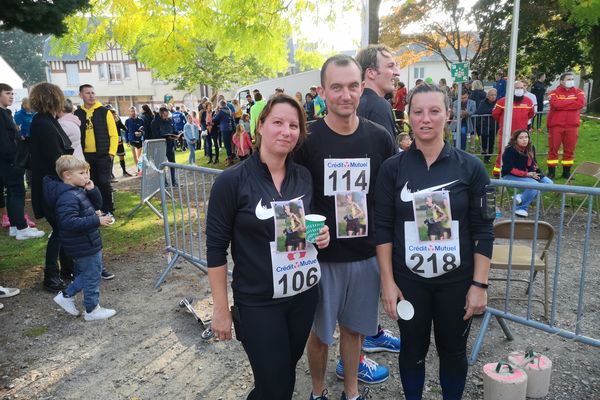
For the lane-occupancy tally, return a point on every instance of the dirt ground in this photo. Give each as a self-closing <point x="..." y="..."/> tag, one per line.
<point x="152" y="348"/>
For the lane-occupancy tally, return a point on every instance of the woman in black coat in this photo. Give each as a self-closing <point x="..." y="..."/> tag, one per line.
<point x="47" y="143"/>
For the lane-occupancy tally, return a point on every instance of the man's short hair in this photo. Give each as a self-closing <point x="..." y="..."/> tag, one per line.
<point x="367" y="57"/>
<point x="177" y="108"/>
<point x="4" y="87"/>
<point x="257" y="96"/>
<point x="255" y="91"/>
<point x="70" y="163"/>
<point x="162" y="110"/>
<point x="565" y="74"/>
<point x="279" y="90"/>
<point x="341" y="60"/>
<point x="248" y="95"/>
<point x="85" y="86"/>
<point x="223" y="103"/>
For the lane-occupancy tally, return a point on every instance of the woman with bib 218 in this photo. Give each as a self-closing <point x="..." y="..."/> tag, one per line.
<point x="444" y="280"/>
<point x="271" y="321"/>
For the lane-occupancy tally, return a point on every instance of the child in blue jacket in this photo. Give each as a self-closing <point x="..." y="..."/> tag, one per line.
<point x="75" y="201"/>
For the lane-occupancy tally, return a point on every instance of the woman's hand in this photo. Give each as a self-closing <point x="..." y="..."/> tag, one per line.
<point x="390" y="294"/>
<point x="221" y="324"/>
<point x="476" y="302"/>
<point x="534" y="175"/>
<point x="323" y="238"/>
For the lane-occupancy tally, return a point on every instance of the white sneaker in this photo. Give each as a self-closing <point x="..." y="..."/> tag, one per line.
<point x="12" y="231"/>
<point x="1" y="306"/>
<point x="522" y="213"/>
<point x="8" y="292"/>
<point x="518" y="199"/>
<point x="29" y="233"/>
<point x="98" y="313"/>
<point x="67" y="303"/>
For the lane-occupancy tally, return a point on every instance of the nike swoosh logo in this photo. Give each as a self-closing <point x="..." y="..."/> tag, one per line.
<point x="407" y="196"/>
<point x="264" y="213"/>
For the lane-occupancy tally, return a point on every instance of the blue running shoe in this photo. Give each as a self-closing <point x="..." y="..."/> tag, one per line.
<point x="368" y="371"/>
<point x="385" y="341"/>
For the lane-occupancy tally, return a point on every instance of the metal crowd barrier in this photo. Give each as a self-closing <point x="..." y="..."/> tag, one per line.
<point x="565" y="267"/>
<point x="184" y="208"/>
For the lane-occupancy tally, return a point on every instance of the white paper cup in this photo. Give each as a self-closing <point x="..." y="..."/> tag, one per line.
<point x="314" y="223"/>
<point x="405" y="310"/>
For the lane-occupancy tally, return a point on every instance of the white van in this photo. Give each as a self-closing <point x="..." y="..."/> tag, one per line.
<point x="291" y="84"/>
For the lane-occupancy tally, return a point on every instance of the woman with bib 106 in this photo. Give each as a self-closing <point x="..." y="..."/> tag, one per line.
<point x="274" y="293"/>
<point x="444" y="276"/>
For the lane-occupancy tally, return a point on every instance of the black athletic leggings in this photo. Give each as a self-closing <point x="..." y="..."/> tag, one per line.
<point x="443" y="304"/>
<point x="274" y="337"/>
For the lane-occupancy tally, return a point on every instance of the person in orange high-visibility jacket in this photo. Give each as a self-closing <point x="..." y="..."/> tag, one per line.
<point x="523" y="111"/>
<point x="566" y="102"/>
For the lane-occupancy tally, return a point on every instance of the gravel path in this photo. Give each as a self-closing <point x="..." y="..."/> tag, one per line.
<point x="152" y="348"/>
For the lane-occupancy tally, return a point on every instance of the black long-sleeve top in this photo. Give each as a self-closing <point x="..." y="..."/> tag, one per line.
<point x="463" y="176"/>
<point x="518" y="163"/>
<point x="232" y="218"/>
<point x="47" y="142"/>
<point x="8" y="136"/>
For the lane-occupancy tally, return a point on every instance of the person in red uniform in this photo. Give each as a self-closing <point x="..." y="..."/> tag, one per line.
<point x="566" y="102"/>
<point x="400" y="104"/>
<point x="523" y="111"/>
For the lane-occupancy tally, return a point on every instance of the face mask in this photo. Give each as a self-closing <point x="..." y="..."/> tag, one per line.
<point x="569" y="84"/>
<point x="519" y="92"/>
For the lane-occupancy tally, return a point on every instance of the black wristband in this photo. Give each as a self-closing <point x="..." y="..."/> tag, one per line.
<point x="480" y="285"/>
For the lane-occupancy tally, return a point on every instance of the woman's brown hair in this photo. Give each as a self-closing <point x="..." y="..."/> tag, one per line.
<point x="46" y="98"/>
<point x="513" y="141"/>
<point x="283" y="99"/>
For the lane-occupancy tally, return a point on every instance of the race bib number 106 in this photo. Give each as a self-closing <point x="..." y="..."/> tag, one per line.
<point x="346" y="175"/>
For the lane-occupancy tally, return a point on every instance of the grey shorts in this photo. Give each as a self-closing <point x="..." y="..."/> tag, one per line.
<point x="348" y="294"/>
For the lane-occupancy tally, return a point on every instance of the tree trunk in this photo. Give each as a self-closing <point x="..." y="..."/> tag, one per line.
<point x="594" y="105"/>
<point x="374" y="21"/>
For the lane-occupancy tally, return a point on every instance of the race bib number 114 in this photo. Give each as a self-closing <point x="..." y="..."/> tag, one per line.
<point x="346" y="175"/>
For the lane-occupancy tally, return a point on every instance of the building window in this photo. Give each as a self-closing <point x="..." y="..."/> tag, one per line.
<point x="102" y="71"/>
<point x="420" y="73"/>
<point x="115" y="73"/>
<point x="126" y="74"/>
<point x="72" y="74"/>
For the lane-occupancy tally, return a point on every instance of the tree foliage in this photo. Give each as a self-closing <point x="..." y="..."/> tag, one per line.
<point x="192" y="42"/>
<point x="39" y="16"/>
<point x="548" y="42"/>
<point x="438" y="34"/>
<point x="585" y="14"/>
<point x="23" y="52"/>
<point x="548" y="39"/>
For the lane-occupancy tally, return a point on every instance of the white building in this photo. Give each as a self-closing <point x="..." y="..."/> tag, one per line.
<point x="116" y="77"/>
<point x="11" y="78"/>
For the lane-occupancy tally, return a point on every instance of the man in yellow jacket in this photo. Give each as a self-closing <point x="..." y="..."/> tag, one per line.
<point x="99" y="139"/>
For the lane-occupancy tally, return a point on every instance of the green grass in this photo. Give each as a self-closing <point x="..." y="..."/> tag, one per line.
<point x="36" y="331"/>
<point x="141" y="231"/>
